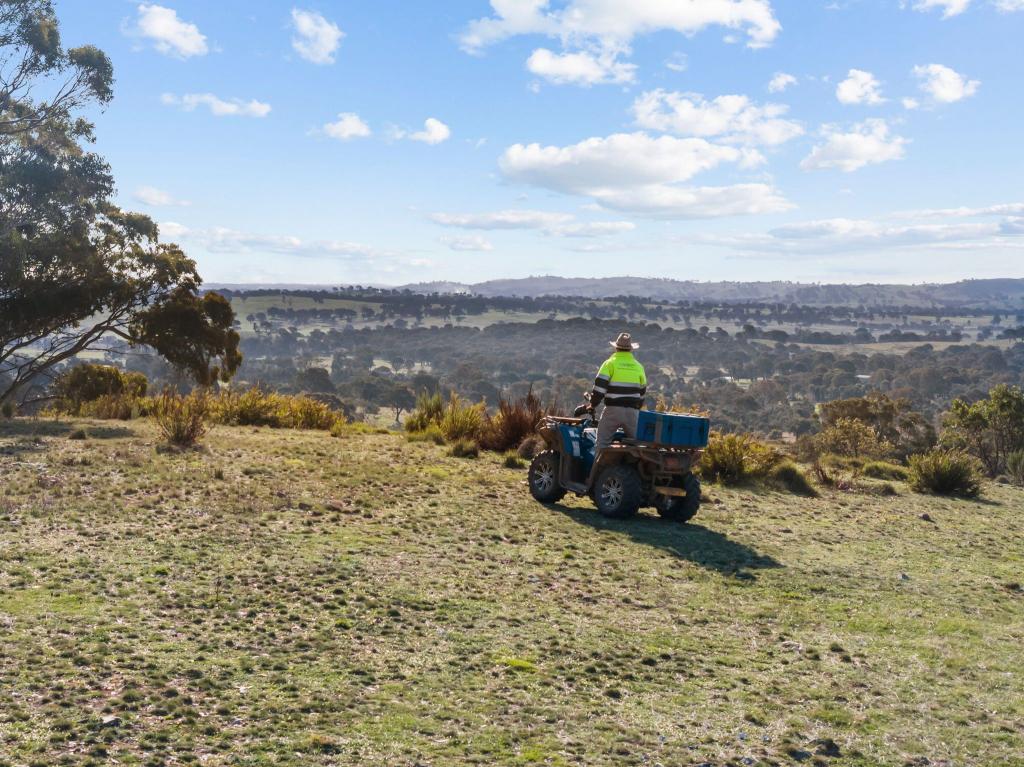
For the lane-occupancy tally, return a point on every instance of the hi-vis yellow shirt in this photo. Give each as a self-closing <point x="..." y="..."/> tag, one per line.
<point x="621" y="382"/>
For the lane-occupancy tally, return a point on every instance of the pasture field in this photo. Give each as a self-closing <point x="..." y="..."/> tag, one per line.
<point x="289" y="598"/>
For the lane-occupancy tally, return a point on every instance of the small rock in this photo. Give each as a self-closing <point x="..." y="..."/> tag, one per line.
<point x="110" y="721"/>
<point x="926" y="517"/>
<point x="904" y="577"/>
<point x="827" y="747"/>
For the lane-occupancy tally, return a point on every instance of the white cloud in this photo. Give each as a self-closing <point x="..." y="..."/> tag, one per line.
<point x="638" y="173"/>
<point x="943" y="84"/>
<point x="434" y="132"/>
<point x="859" y="87"/>
<point x="555" y="224"/>
<point x="218" y="107"/>
<point x="1009" y="6"/>
<point x="867" y="143"/>
<point x="1014" y="209"/>
<point x="735" y="118"/>
<point x="150" y="195"/>
<point x="221" y="239"/>
<point x="348" y="126"/>
<point x="316" y="39"/>
<point x="615" y="24"/>
<point x="910" y="103"/>
<point x="474" y="243"/>
<point x="169" y="34"/>
<point x="949" y="8"/>
<point x="579" y="68"/>
<point x="677" y="62"/>
<point x="780" y="82"/>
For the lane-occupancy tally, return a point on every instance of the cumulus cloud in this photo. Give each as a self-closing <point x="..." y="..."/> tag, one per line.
<point x="348" y="126"/>
<point x="734" y="118"/>
<point x="316" y="39"/>
<point x="944" y="85"/>
<point x="474" y="243"/>
<point x="1009" y="6"/>
<point x="434" y="132"/>
<point x="150" y="195"/>
<point x="949" y="8"/>
<point x="866" y="143"/>
<point x="859" y="87"/>
<point x="551" y="223"/>
<point x="1002" y="209"/>
<point x="780" y="82"/>
<point x="636" y="172"/>
<point x="595" y="33"/>
<point x="218" y="107"/>
<point x="579" y="68"/>
<point x="168" y="34"/>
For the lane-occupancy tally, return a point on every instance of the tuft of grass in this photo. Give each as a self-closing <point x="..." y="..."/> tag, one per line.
<point x="79" y="434"/>
<point x="1015" y="467"/>
<point x="511" y="460"/>
<point x="462" y="421"/>
<point x="946" y="472"/>
<point x="788" y="476"/>
<point x="430" y="434"/>
<point x="182" y="418"/>
<point x="885" y="470"/>
<point x="464" y="448"/>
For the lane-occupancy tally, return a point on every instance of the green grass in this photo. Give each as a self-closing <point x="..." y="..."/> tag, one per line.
<point x="289" y="598"/>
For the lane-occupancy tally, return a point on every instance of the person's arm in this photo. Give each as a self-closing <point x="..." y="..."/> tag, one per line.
<point x="604" y="377"/>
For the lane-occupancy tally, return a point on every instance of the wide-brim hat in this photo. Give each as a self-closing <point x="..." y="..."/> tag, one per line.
<point x="624" y="343"/>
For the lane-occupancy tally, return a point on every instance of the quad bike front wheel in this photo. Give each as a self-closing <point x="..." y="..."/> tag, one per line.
<point x="543" y="477"/>
<point x="680" y="509"/>
<point x="618" y="492"/>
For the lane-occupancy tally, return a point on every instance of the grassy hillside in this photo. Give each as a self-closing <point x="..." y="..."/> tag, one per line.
<point x="287" y="598"/>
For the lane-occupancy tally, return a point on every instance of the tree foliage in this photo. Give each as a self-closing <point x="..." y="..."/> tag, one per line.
<point x="74" y="268"/>
<point x="990" y="429"/>
<point x="892" y="420"/>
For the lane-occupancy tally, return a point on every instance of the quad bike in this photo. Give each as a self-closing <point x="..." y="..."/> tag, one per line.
<point x="655" y="469"/>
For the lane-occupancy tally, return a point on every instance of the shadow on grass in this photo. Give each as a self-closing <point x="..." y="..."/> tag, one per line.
<point x="692" y="542"/>
<point x="39" y="427"/>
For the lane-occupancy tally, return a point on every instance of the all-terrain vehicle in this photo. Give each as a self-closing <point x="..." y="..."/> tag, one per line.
<point x="655" y="469"/>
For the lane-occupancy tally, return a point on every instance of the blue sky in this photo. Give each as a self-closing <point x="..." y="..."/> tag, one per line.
<point x="389" y="142"/>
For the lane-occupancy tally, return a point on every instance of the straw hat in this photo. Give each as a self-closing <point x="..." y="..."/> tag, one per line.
<point x="624" y="343"/>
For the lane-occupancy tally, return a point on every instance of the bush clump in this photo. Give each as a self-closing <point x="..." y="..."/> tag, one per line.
<point x="429" y="412"/>
<point x="464" y="448"/>
<point x="788" y="476"/>
<point x="512" y="460"/>
<point x="430" y="434"/>
<point x="514" y="422"/>
<point x="90" y="383"/>
<point x="182" y="418"/>
<point x="885" y="470"/>
<point x="946" y="472"/>
<point x="462" y="421"/>
<point x="1015" y="467"/>
<point x="732" y="459"/>
<point x="255" y="407"/>
<point x="531" y="447"/>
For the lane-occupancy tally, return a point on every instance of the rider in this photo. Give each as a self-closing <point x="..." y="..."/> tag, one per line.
<point x="621" y="383"/>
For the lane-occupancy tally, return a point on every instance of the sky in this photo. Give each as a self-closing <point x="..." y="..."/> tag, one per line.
<point x="391" y="142"/>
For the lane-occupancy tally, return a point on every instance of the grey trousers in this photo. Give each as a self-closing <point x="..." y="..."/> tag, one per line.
<point x="613" y="419"/>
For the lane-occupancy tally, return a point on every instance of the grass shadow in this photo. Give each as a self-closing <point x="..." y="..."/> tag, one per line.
<point x="695" y="543"/>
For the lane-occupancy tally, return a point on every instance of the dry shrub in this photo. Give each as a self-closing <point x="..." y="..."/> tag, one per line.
<point x="512" y="460"/>
<point x="531" y="447"/>
<point x="946" y="472"/>
<point x="464" y="448"/>
<point x="513" y="423"/>
<point x="256" y="407"/>
<point x="431" y="434"/>
<point x="83" y="385"/>
<point x="732" y="459"/>
<point x="117" y="407"/>
<point x="182" y="419"/>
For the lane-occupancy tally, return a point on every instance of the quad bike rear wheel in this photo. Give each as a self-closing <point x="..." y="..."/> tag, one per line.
<point x="618" y="491"/>
<point x="543" y="477"/>
<point x="680" y="509"/>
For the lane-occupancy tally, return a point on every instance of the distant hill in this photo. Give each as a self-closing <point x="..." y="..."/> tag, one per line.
<point x="995" y="293"/>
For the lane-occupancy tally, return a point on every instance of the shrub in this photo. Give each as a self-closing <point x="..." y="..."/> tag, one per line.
<point x="531" y="447"/>
<point x="853" y="438"/>
<point x="885" y="470"/>
<point x="788" y="476"/>
<point x="733" y="458"/>
<point x="513" y="422"/>
<point x="116" y="407"/>
<point x="1015" y="466"/>
<point x="431" y="434"/>
<point x="464" y="448"/>
<point x="989" y="429"/>
<point x="946" y="472"/>
<point x="429" y="410"/>
<point x="256" y="407"/>
<point x="89" y="382"/>
<point x="182" y="419"/>
<point x="462" y="421"/>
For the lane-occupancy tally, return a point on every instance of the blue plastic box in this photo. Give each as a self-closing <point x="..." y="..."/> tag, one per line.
<point x="672" y="429"/>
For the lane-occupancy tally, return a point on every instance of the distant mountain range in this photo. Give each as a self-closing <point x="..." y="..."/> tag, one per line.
<point x="1003" y="294"/>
